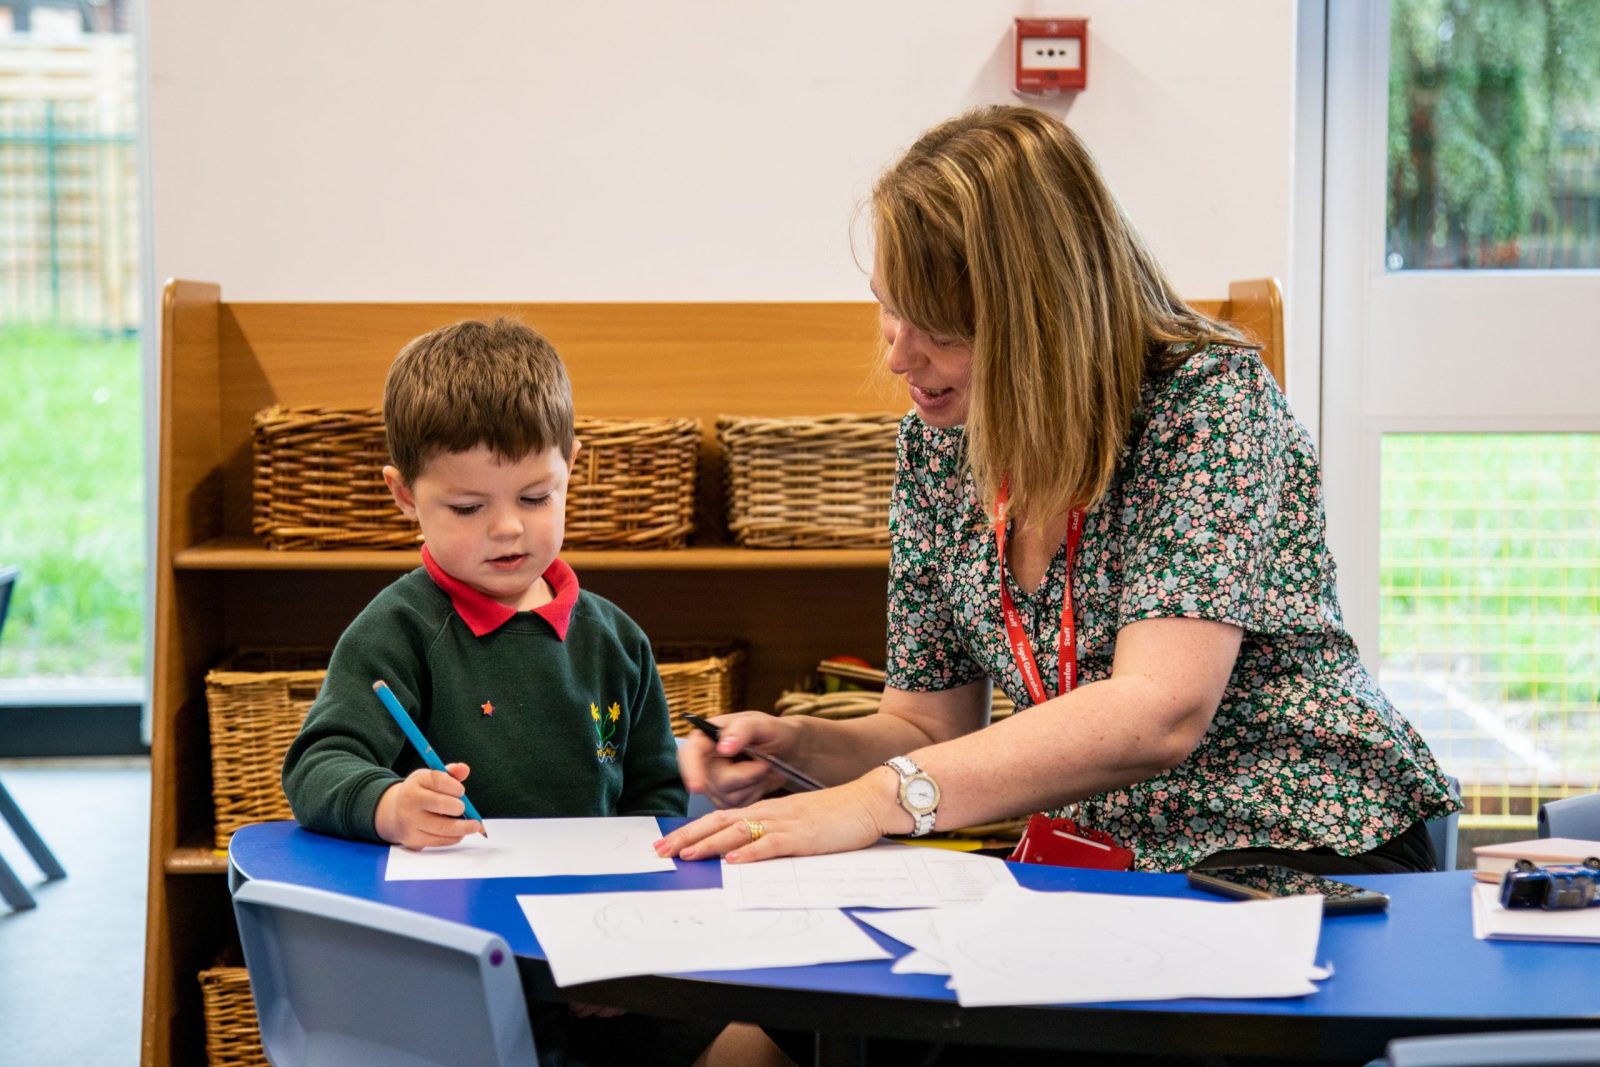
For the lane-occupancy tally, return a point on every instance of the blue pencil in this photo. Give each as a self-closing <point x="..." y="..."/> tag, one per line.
<point x="420" y="743"/>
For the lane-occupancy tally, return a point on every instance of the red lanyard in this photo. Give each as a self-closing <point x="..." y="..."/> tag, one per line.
<point x="1016" y="636"/>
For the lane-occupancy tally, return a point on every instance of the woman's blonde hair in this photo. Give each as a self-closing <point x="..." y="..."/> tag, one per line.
<point x="997" y="228"/>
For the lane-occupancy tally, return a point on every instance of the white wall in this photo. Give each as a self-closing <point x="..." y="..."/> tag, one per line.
<point x="640" y="150"/>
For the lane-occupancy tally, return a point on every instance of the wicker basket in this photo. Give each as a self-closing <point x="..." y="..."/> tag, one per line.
<point x="233" y="1037"/>
<point x="633" y="483"/>
<point x="707" y="679"/>
<point x="255" y="716"/>
<point x="820" y="482"/>
<point x="319" y="482"/>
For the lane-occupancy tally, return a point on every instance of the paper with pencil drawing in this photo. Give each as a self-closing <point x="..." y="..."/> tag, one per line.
<point x="887" y="875"/>
<point x="915" y="928"/>
<point x="590" y="936"/>
<point x="537" y="848"/>
<point x="1024" y="947"/>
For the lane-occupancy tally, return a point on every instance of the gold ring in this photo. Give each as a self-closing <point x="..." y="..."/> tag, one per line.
<point x="757" y="831"/>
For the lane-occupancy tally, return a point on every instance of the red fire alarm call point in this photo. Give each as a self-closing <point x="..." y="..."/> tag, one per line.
<point x="1052" y="55"/>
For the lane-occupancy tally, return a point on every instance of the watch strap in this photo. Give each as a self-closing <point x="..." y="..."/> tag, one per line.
<point x="906" y="768"/>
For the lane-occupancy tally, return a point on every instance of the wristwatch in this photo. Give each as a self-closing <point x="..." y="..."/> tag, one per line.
<point x="919" y="794"/>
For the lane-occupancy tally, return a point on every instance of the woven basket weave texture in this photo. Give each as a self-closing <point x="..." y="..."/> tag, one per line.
<point x="820" y="482"/>
<point x="633" y="483"/>
<point x="706" y="679"/>
<point x="233" y="1038"/>
<point x="318" y="482"/>
<point x="255" y="717"/>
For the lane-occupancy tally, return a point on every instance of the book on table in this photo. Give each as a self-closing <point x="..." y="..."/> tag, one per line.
<point x="1491" y="922"/>
<point x="1495" y="860"/>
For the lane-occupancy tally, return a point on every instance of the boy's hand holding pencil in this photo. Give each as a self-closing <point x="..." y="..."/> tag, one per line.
<point x="426" y="809"/>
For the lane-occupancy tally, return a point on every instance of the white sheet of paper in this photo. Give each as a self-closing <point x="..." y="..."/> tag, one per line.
<point x="886" y="875"/>
<point x="914" y="928"/>
<point x="915" y="962"/>
<point x="537" y="848"/>
<point x="1024" y="947"/>
<point x="590" y="936"/>
<point x="1490" y="920"/>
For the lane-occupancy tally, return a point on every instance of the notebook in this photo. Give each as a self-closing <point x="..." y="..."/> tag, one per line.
<point x="1495" y="860"/>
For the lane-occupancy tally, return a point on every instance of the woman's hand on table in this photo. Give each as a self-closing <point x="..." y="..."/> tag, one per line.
<point x="839" y="819"/>
<point x="732" y="783"/>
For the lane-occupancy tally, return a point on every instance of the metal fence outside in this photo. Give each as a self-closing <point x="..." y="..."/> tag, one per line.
<point x="69" y="191"/>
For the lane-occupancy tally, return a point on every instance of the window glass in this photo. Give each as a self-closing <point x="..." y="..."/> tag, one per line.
<point x="1490" y="610"/>
<point x="1494" y="134"/>
<point x="71" y="442"/>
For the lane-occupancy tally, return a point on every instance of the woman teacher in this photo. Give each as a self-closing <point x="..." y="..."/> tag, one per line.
<point x="1104" y="506"/>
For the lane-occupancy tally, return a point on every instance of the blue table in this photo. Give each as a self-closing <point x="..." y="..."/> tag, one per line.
<point x="1414" y="969"/>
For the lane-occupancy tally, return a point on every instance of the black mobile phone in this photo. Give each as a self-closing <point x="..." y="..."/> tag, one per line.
<point x="1265" y="882"/>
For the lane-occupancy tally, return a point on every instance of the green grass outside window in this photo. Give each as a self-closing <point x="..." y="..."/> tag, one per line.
<point x="72" y="504"/>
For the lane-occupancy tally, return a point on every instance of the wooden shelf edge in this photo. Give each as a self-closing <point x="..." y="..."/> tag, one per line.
<point x="244" y="554"/>
<point x="196" y="859"/>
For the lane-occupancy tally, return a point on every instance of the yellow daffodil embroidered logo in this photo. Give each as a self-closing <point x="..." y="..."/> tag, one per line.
<point x="605" y="727"/>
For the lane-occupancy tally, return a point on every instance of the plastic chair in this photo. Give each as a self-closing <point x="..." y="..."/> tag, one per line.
<point x="1442" y="831"/>
<point x="1577" y="817"/>
<point x="1527" y="1048"/>
<point x="339" y="981"/>
<point x="16" y="894"/>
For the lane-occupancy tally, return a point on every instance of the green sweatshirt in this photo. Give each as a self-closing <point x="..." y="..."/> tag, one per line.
<point x="558" y="712"/>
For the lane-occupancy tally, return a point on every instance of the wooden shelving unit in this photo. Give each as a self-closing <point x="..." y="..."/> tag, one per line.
<point x="217" y="589"/>
<point x="246" y="554"/>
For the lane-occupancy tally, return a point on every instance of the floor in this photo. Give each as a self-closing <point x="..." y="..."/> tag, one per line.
<point x="72" y="969"/>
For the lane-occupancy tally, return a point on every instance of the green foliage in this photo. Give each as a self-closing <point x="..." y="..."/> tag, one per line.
<point x="1478" y="92"/>
<point x="72" y="486"/>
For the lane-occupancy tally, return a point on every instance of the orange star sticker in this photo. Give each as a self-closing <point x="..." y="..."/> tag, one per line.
<point x="488" y="708"/>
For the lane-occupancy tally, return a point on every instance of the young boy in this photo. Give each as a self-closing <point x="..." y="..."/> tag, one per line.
<point x="549" y="694"/>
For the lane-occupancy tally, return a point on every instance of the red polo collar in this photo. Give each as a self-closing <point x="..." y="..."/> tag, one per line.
<point x="484" y="615"/>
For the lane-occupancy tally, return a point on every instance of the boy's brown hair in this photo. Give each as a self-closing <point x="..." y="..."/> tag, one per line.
<point x="476" y="384"/>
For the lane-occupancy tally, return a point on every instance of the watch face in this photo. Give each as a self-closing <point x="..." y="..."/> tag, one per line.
<point x="921" y="794"/>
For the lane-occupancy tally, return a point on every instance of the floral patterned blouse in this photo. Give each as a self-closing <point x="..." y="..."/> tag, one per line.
<point x="1215" y="513"/>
